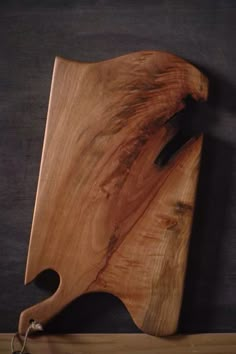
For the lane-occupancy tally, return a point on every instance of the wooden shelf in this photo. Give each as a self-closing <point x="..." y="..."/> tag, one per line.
<point x="125" y="344"/>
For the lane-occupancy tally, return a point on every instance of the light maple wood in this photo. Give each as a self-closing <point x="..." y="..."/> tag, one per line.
<point x="106" y="217"/>
<point x="125" y="344"/>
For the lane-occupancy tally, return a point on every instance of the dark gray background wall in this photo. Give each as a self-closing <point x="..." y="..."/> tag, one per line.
<point x="32" y="33"/>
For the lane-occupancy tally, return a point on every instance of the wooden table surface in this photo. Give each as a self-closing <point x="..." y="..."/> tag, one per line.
<point x="125" y="344"/>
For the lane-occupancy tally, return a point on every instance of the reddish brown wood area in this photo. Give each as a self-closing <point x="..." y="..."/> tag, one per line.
<point x="107" y="218"/>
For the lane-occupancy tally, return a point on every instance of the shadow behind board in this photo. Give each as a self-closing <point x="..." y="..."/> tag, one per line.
<point x="203" y="305"/>
<point x="209" y="233"/>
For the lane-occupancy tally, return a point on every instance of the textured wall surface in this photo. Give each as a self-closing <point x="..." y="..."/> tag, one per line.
<point x="32" y="33"/>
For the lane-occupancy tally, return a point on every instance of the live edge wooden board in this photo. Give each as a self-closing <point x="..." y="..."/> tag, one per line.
<point x="107" y="218"/>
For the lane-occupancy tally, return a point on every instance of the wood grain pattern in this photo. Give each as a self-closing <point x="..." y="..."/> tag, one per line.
<point x="106" y="217"/>
<point x="125" y="344"/>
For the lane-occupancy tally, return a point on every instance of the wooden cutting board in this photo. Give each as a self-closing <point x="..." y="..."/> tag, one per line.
<point x="107" y="217"/>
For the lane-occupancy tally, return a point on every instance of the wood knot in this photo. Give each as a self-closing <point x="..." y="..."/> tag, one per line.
<point x="182" y="208"/>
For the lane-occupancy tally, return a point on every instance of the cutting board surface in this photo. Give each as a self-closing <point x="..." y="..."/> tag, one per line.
<point x="107" y="217"/>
